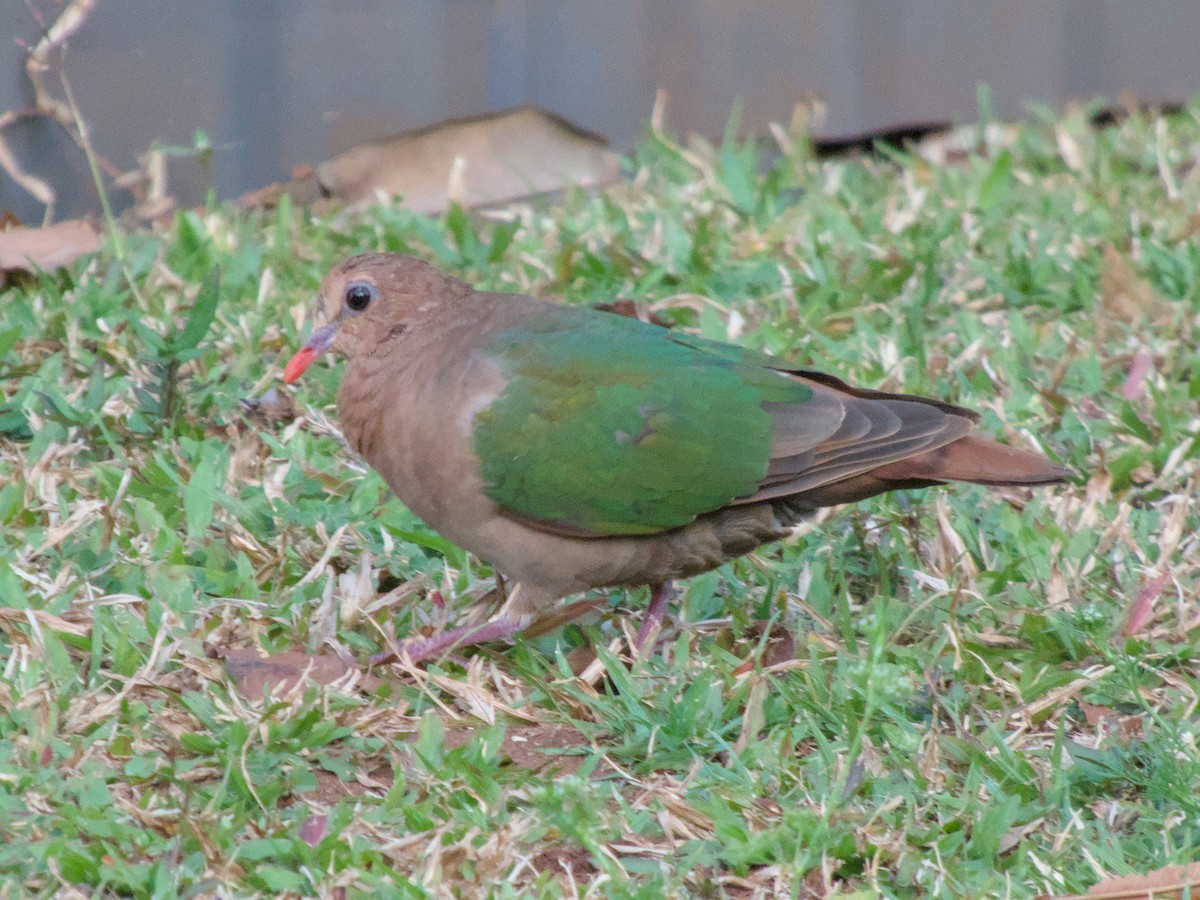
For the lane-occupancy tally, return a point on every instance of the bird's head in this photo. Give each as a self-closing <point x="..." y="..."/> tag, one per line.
<point x="369" y="300"/>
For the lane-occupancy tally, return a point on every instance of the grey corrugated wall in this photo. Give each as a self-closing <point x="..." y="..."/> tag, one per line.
<point x="281" y="82"/>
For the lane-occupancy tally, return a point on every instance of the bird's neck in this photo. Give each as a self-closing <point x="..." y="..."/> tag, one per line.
<point x="363" y="383"/>
<point x="388" y="386"/>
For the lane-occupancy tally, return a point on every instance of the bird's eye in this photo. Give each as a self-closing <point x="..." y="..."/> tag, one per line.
<point x="359" y="295"/>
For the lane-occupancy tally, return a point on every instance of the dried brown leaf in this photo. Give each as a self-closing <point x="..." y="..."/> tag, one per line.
<point x="495" y="158"/>
<point x="1141" y="610"/>
<point x="580" y="659"/>
<point x="780" y="648"/>
<point x="1108" y="721"/>
<point x="1161" y="884"/>
<point x="52" y="247"/>
<point x="1094" y="714"/>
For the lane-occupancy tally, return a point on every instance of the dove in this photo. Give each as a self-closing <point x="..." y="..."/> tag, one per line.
<point x="574" y="448"/>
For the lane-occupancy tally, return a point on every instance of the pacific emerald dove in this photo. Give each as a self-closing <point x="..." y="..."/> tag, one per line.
<point x="578" y="449"/>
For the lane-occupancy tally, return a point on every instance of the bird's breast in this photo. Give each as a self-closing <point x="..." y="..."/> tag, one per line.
<point x="412" y="420"/>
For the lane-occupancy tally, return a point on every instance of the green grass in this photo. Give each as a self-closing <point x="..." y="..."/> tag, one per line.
<point x="961" y="712"/>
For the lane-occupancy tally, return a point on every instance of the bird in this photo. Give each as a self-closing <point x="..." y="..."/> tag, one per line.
<point x="574" y="448"/>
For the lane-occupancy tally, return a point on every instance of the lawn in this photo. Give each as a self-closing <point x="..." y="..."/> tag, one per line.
<point x="948" y="693"/>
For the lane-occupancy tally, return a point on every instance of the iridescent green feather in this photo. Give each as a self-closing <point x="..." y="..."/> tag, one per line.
<point x="615" y="427"/>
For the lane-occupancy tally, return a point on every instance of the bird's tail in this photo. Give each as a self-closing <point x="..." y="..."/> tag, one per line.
<point x="971" y="458"/>
<point x="978" y="460"/>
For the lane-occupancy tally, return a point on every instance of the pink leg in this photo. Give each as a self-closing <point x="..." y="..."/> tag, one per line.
<point x="418" y="649"/>
<point x="655" y="613"/>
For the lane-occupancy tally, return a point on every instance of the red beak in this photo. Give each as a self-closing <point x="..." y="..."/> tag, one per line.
<point x="317" y="344"/>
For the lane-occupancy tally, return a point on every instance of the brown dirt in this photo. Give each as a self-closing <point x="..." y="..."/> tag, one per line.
<point x="526" y="744"/>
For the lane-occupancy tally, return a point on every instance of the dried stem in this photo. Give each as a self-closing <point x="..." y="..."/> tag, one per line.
<point x="37" y="187"/>
<point x="37" y="65"/>
<point x="66" y="113"/>
<point x="85" y="141"/>
<point x="69" y="21"/>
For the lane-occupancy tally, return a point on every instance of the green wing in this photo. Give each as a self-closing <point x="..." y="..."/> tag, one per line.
<point x="610" y="426"/>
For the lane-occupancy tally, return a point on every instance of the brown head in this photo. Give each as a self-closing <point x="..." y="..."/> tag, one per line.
<point x="370" y="299"/>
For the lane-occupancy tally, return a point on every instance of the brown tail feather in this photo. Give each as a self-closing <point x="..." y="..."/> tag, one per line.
<point x="970" y="458"/>
<point x="978" y="460"/>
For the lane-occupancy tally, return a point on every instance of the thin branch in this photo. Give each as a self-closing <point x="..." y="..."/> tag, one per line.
<point x="69" y="21"/>
<point x="85" y="141"/>
<point x="38" y="188"/>
<point x="37" y="65"/>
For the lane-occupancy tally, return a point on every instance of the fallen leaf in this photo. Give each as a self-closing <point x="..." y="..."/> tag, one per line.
<point x="780" y="647"/>
<point x="1161" y="884"/>
<point x="1142" y="608"/>
<point x="52" y="247"/>
<point x="1106" y="720"/>
<point x="284" y="672"/>
<point x="490" y="159"/>
<point x="579" y="659"/>
<point x="1094" y="714"/>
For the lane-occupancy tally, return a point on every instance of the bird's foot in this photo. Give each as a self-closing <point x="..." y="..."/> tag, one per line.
<point x="660" y="594"/>
<point x="419" y="649"/>
<point x="503" y="627"/>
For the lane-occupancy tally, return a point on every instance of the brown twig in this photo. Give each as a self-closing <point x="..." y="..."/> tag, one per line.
<point x="37" y="65"/>
<point x="69" y="21"/>
<point x="66" y="113"/>
<point x="38" y="188"/>
<point x="85" y="142"/>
